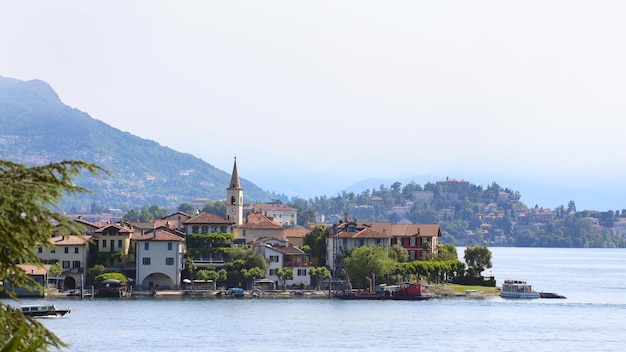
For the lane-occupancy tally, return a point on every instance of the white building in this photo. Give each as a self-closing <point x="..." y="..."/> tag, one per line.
<point x="280" y="214"/>
<point x="280" y="254"/>
<point x="159" y="260"/>
<point x="71" y="253"/>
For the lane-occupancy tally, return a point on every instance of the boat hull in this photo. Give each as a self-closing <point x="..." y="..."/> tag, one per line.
<point x="357" y="297"/>
<point x="56" y="313"/>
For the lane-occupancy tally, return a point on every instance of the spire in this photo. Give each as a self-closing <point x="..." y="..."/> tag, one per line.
<point x="234" y="180"/>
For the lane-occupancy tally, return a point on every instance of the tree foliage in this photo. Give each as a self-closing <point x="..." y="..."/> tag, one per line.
<point x="367" y="262"/>
<point x="316" y="240"/>
<point x="477" y="258"/>
<point x="28" y="197"/>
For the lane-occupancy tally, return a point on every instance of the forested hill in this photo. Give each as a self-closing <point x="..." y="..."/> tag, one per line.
<point x="38" y="128"/>
<point x="472" y="214"/>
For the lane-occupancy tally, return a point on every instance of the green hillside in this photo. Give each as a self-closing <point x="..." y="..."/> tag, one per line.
<point x="38" y="128"/>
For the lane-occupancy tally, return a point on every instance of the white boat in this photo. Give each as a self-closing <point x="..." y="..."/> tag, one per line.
<point x="518" y="289"/>
<point x="43" y="310"/>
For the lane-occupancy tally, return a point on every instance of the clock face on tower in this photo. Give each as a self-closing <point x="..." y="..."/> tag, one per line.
<point x="232" y="210"/>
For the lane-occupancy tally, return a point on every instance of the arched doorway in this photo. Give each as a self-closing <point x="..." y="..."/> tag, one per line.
<point x="158" y="281"/>
<point x="69" y="283"/>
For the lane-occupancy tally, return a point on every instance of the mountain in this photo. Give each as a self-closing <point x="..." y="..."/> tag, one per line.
<point x="38" y="128"/>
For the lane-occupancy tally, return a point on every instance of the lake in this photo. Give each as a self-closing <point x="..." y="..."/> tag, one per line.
<point x="592" y="318"/>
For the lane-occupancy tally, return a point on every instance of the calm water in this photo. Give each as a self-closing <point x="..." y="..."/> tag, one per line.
<point x="592" y="318"/>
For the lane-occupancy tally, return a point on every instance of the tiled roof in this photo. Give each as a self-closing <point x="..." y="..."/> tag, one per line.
<point x="365" y="233"/>
<point x="423" y="230"/>
<point x="71" y="240"/>
<point x="296" y="232"/>
<point x="259" y="221"/>
<point x="117" y="226"/>
<point x="33" y="269"/>
<point x="208" y="218"/>
<point x="158" y="235"/>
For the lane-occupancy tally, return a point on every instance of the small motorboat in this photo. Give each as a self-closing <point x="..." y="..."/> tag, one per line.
<point x="43" y="310"/>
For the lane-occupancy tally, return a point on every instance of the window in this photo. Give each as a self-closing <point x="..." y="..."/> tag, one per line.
<point x="120" y="244"/>
<point x="412" y="241"/>
<point x="273" y="258"/>
<point x="344" y="243"/>
<point x="301" y="272"/>
<point x="169" y="246"/>
<point x="169" y="261"/>
<point x="104" y="244"/>
<point x="361" y="242"/>
<point x="76" y="264"/>
<point x="39" y="250"/>
<point x="66" y="264"/>
<point x="67" y="249"/>
<point x="146" y="261"/>
<point x="53" y="251"/>
<point x="76" y="250"/>
<point x="378" y="242"/>
<point x="146" y="246"/>
<point x="273" y="271"/>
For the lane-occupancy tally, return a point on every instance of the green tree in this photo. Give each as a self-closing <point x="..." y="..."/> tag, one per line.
<point x="108" y="276"/>
<point x="283" y="275"/>
<point x="96" y="270"/>
<point x="187" y="208"/>
<point x="399" y="253"/>
<point x="252" y="274"/>
<point x="316" y="240"/>
<point x="55" y="270"/>
<point x="477" y="258"/>
<point x="318" y="274"/>
<point x="216" y="208"/>
<point x="28" y="197"/>
<point x="447" y="252"/>
<point x="366" y="262"/>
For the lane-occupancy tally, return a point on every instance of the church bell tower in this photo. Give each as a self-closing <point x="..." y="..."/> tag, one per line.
<point x="234" y="200"/>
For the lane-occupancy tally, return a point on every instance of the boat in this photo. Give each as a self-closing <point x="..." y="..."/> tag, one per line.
<point x="43" y="310"/>
<point x="112" y="288"/>
<point x="236" y="292"/>
<point x="518" y="289"/>
<point x="404" y="292"/>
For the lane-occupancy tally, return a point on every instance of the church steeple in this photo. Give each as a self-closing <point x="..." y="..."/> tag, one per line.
<point x="234" y="200"/>
<point x="234" y="179"/>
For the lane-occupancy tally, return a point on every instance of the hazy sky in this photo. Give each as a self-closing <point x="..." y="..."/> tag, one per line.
<point x="345" y="90"/>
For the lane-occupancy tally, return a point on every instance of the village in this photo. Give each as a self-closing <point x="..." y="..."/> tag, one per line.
<point x="156" y="256"/>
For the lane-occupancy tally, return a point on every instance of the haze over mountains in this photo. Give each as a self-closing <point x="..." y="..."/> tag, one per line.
<point x="37" y="127"/>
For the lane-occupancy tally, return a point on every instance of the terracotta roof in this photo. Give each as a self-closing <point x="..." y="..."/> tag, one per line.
<point x="68" y="240"/>
<point x="259" y="221"/>
<point x="158" y="235"/>
<point x="365" y="233"/>
<point x="119" y="228"/>
<point x="208" y="218"/>
<point x="296" y="232"/>
<point x="33" y="269"/>
<point x="423" y="230"/>
<point x="88" y="224"/>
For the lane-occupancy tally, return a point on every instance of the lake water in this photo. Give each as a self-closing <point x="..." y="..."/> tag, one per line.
<point x="592" y="318"/>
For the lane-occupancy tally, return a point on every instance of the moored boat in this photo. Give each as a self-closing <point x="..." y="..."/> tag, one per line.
<point x="43" y="310"/>
<point x="405" y="292"/>
<point x="518" y="289"/>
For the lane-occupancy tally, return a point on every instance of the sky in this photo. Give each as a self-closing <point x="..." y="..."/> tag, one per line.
<point x="324" y="94"/>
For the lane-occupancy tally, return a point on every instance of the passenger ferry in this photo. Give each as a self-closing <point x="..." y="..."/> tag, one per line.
<point x="518" y="289"/>
<point x="43" y="310"/>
